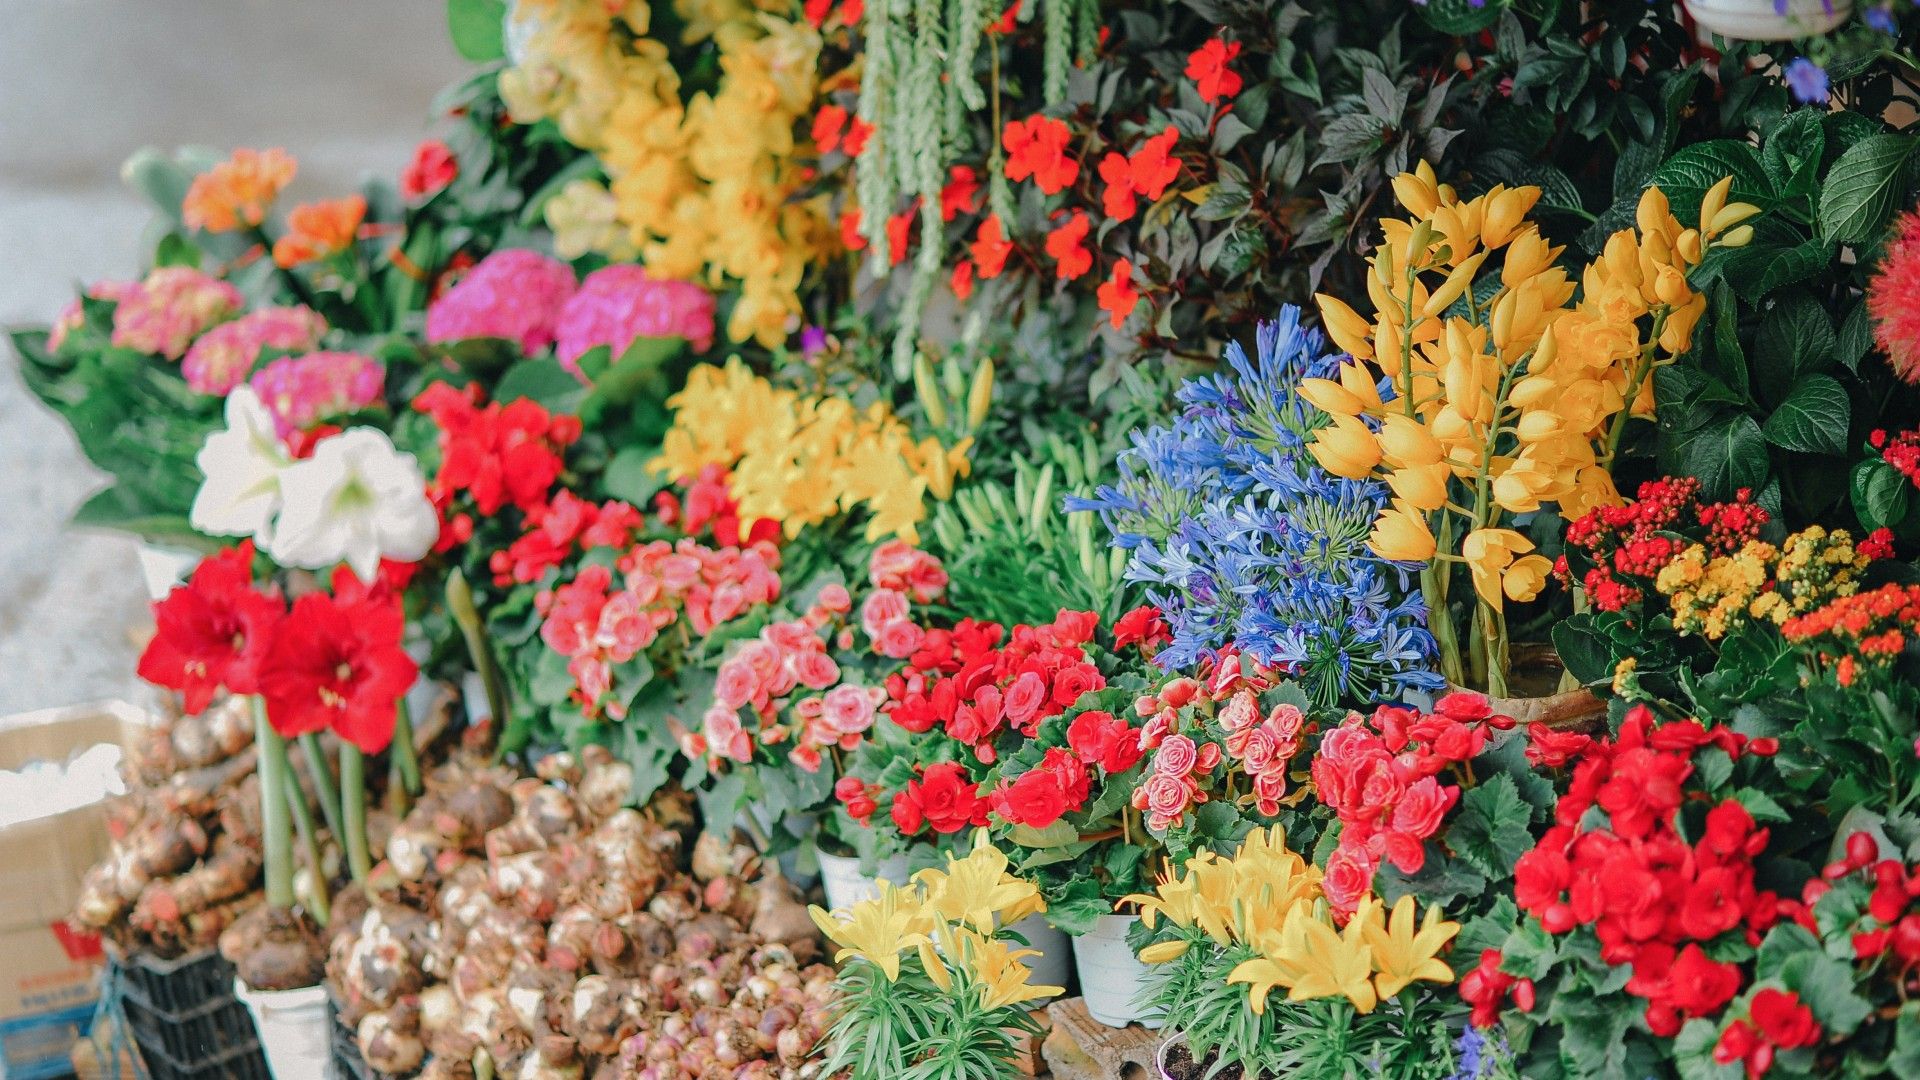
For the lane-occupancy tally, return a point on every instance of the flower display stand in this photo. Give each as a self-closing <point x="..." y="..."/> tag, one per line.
<point x="1078" y="1047"/>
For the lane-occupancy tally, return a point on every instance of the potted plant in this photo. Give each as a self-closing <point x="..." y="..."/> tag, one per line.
<point x="1769" y="20"/>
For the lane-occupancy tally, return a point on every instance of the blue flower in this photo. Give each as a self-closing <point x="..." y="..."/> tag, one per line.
<point x="1244" y="541"/>
<point x="1807" y="80"/>
<point x="1882" y="19"/>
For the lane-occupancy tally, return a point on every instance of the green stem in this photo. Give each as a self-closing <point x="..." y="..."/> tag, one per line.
<point x="404" y="755"/>
<point x="276" y="839"/>
<point x="317" y="899"/>
<point x="322" y="772"/>
<point x="1641" y="369"/>
<point x="353" y="808"/>
<point x="1493" y="625"/>
<point x="1440" y="623"/>
<point x="460" y="603"/>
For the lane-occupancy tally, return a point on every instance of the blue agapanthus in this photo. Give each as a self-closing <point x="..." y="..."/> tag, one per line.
<point x="1243" y="540"/>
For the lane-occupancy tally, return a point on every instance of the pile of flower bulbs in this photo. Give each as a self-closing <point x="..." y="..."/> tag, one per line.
<point x="185" y="859"/>
<point x="536" y="927"/>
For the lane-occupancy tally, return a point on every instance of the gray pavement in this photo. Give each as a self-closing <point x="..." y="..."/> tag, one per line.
<point x="344" y="85"/>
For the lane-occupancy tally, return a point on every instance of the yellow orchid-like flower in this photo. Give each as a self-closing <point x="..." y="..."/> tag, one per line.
<point x="1400" y="534"/>
<point x="1488" y="553"/>
<point x="877" y="930"/>
<point x="1403" y="954"/>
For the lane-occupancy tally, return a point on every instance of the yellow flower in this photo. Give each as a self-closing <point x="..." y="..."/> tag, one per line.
<point x="1312" y="960"/>
<point x="1161" y="952"/>
<point x="1000" y="971"/>
<point x="1526" y="577"/>
<point x="1400" y="534"/>
<point x="1488" y="553"/>
<point x="978" y="891"/>
<point x="1422" y="487"/>
<point x="1347" y="329"/>
<point x="1402" y="955"/>
<point x="1346" y="448"/>
<point x="876" y="930"/>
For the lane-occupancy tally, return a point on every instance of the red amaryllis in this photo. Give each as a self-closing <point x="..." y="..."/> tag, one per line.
<point x="212" y="632"/>
<point x="338" y="664"/>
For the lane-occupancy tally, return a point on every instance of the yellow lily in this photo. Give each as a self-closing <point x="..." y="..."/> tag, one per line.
<point x="876" y="930"/>
<point x="1402" y="954"/>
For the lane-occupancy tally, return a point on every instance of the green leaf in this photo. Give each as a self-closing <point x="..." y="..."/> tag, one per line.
<point x="1058" y="834"/>
<point x="1490" y="832"/>
<point x="1685" y="177"/>
<point x="1905" y="1058"/>
<point x="544" y="381"/>
<point x="1725" y="456"/>
<point x="1863" y="187"/>
<point x="1529" y="951"/>
<point x="1855" y="338"/>
<point x="1827" y="987"/>
<point x="1881" y="496"/>
<point x="1758" y="269"/>
<point x="627" y="477"/>
<point x="1460" y="17"/>
<point x="1795" y="338"/>
<point x="1693" y="1053"/>
<point x="1792" y="153"/>
<point x="1813" y="418"/>
<point x="478" y="29"/>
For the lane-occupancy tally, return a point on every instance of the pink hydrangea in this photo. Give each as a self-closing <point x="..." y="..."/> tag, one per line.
<point x="301" y="391"/>
<point x="514" y="293"/>
<point x="220" y="360"/>
<point x="617" y="304"/>
<point x="73" y="315"/>
<point x="172" y="306"/>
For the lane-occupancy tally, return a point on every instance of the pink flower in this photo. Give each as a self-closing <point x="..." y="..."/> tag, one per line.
<point x="1349" y="877"/>
<point x="618" y="304"/>
<point x="1164" y="798"/>
<point x="899" y="639"/>
<point x="514" y="293"/>
<point x="1024" y="697"/>
<point x="1176" y="757"/>
<point x="834" y="598"/>
<point x="849" y="710"/>
<point x="1893" y="299"/>
<point x="172" y="306"/>
<point x="816" y="670"/>
<point x="223" y="356"/>
<point x="899" y="565"/>
<point x="881" y="607"/>
<point x="301" y="391"/>
<point x="725" y="737"/>
<point x="734" y="685"/>
<point x="73" y="316"/>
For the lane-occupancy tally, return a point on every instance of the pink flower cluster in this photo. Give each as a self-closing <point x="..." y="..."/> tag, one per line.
<point x="1263" y="747"/>
<point x="73" y="316"/>
<point x="168" y="309"/>
<point x="223" y="356"/>
<point x="771" y="674"/>
<point x="1380" y="776"/>
<point x="902" y="575"/>
<point x="301" y="391"/>
<point x="617" y="304"/>
<point x="1175" y="781"/>
<point x="597" y="626"/>
<point x="514" y="293"/>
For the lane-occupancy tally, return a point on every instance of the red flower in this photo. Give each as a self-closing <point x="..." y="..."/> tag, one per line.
<point x="1207" y="67"/>
<point x="1142" y="626"/>
<point x="1546" y="746"/>
<point x="433" y="167"/>
<point x="855" y="142"/>
<point x="962" y="193"/>
<point x="338" y="665"/>
<point x="497" y="454"/>
<point x="212" y="632"/>
<point x="850" y="236"/>
<point x="1043" y="794"/>
<point x="1118" y="199"/>
<point x="1153" y="166"/>
<point x="1782" y="1018"/>
<point x="828" y="125"/>
<point x="991" y="247"/>
<point x="1004" y="24"/>
<point x="1893" y="299"/>
<point x="1066" y="246"/>
<point x="942" y="798"/>
<point x="1117" y="296"/>
<point x="899" y="233"/>
<point x="1103" y="739"/>
<point x="1037" y="147"/>
<point x="962" y="280"/>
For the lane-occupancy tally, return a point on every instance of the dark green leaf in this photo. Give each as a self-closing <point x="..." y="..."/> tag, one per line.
<point x="1813" y="418"/>
<point x="1726" y="456"/>
<point x="1862" y="188"/>
<point x="1685" y="177"/>
<point x="1881" y="495"/>
<point x="1758" y="269"/>
<point x="1490" y="832"/>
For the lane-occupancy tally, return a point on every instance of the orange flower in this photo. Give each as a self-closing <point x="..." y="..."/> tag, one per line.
<point x="1065" y="246"/>
<point x="236" y="193"/>
<point x="1118" y="296"/>
<point x="991" y="247"/>
<point x="1207" y="67"/>
<point x="1153" y="165"/>
<point x="850" y="237"/>
<point x="1037" y="147"/>
<point x="316" y="230"/>
<point x="962" y="193"/>
<point x="1118" y="200"/>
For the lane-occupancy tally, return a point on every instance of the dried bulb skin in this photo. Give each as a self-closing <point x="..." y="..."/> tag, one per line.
<point x="274" y="949"/>
<point x="390" y="1040"/>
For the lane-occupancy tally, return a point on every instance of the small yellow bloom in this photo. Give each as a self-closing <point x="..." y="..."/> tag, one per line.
<point x="1488" y="553"/>
<point x="1347" y="329"/>
<point x="1526" y="577"/>
<point x="876" y="930"/>
<point x="1346" y="448"/>
<point x="1422" y="487"/>
<point x="1400" y="534"/>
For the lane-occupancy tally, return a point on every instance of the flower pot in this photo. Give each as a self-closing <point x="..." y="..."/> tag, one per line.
<point x="846" y="886"/>
<point x="1110" y="974"/>
<point x="295" y="1031"/>
<point x="1759" y="20"/>
<point x="1055" y="961"/>
<point x="1160" y="1055"/>
<point x="1537" y="668"/>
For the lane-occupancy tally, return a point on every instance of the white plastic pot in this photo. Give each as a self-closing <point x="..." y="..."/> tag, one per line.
<point x="1756" y="20"/>
<point x="164" y="567"/>
<point x="295" y="1031"/>
<point x="1110" y="974"/>
<point x="846" y="886"/>
<point x="1055" y="961"/>
<point x="1160" y="1055"/>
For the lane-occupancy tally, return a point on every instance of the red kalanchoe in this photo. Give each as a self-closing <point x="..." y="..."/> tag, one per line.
<point x="338" y="664"/>
<point x="433" y="167"/>
<point x="211" y="633"/>
<point x="1893" y="299"/>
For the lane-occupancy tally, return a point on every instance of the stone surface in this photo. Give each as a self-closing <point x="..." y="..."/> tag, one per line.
<point x="346" y="86"/>
<point x="1081" y="1048"/>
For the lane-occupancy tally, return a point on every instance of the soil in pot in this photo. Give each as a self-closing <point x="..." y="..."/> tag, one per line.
<point x="1179" y="1064"/>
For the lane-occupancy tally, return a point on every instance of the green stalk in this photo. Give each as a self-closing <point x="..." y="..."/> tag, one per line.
<point x="317" y="900"/>
<point x="353" y="808"/>
<point x="276" y="839"/>
<point x="405" y="758"/>
<point x="460" y="603"/>
<point x="1440" y="623"/>
<point x="322" y="772"/>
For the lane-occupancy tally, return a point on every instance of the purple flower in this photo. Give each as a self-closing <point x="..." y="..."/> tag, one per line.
<point x="514" y="293"/>
<point x="813" y="341"/>
<point x="1882" y="20"/>
<point x="1807" y="80"/>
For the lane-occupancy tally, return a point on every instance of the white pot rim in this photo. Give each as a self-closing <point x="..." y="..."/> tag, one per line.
<point x="296" y="998"/>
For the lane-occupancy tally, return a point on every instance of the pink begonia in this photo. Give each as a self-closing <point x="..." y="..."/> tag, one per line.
<point x="301" y="391"/>
<point x="224" y="355"/>
<point x="514" y="293"/>
<point x="73" y="316"/>
<point x="617" y="304"/>
<point x="172" y="306"/>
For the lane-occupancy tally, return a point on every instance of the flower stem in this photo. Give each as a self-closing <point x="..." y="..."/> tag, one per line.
<point x="317" y="899"/>
<point x="353" y="809"/>
<point x="460" y="603"/>
<point x="322" y="772"/>
<point x="405" y="756"/>
<point x="276" y="839"/>
<point x="1440" y="623"/>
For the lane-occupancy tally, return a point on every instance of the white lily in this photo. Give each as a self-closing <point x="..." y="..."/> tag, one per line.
<point x="242" y="466"/>
<point x="356" y="500"/>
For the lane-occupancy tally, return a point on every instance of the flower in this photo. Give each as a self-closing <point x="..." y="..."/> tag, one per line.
<point x="356" y="500"/>
<point x="338" y="665"/>
<point x="1893" y="298"/>
<point x="513" y="293"/>
<point x="169" y="308"/>
<point x="319" y="230"/>
<point x="1066" y="245"/>
<point x="1042" y="795"/>
<point x="1489" y="552"/>
<point x="210" y="633"/>
<point x="236" y="193"/>
<point x="617" y="304"/>
<point x="991" y="247"/>
<point x="222" y="357"/>
<point x="1404" y="955"/>
<point x="1207" y="67"/>
<point x="961" y="194"/>
<point x="431" y="169"/>
<point x="942" y="799"/>
<point x="1117" y="295"/>
<point x="585" y="219"/>
<point x="1037" y="147"/>
<point x="242" y="466"/>
<point x="1807" y="80"/>
<point x="301" y="391"/>
<point x="877" y="930"/>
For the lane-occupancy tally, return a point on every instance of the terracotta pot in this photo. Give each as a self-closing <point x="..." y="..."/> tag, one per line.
<point x="1538" y="665"/>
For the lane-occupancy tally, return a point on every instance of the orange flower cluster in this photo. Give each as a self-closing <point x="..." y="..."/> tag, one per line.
<point x="237" y="193"/>
<point x="1865" y="628"/>
<point x="319" y="230"/>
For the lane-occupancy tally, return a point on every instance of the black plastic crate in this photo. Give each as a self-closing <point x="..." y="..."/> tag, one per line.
<point x="199" y="1034"/>
<point x="345" y="1062"/>
<point x="240" y="1063"/>
<point x="176" y="986"/>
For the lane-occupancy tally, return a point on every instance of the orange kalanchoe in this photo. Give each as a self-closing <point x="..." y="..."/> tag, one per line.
<point x="237" y="193"/>
<point x="316" y="230"/>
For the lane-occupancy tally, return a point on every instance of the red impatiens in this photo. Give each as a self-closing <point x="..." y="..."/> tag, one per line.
<point x="337" y="663"/>
<point x="433" y="167"/>
<point x="1208" y="67"/>
<point x="1147" y="173"/>
<point x="1037" y="148"/>
<point x="1117" y="296"/>
<point x="991" y="247"/>
<point x="211" y="633"/>
<point x="1066" y="245"/>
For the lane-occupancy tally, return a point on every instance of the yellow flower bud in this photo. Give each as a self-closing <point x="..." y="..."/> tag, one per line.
<point x="1330" y="397"/>
<point x="1733" y="214"/>
<point x="1652" y="213"/>
<point x="1506" y="212"/>
<point x="1527" y="255"/>
<point x="1161" y="952"/>
<point x="1677" y="336"/>
<point x="1416" y="193"/>
<point x="1715" y="198"/>
<point x="1537" y="425"/>
<point x="1405" y="441"/>
<point x="1688" y="247"/>
<point x="1400" y="534"/>
<point x="1546" y="352"/>
<point x="1423" y="487"/>
<point x="1346" y="448"/>
<point x="1450" y="290"/>
<point x="1359" y="381"/>
<point x="1345" y="326"/>
<point x="927" y="392"/>
<point x="1671" y="287"/>
<point x="1739" y="237"/>
<point x="980" y="395"/>
<point x="1526" y="577"/>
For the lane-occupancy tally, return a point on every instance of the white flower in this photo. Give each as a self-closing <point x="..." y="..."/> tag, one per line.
<point x="356" y="500"/>
<point x="242" y="466"/>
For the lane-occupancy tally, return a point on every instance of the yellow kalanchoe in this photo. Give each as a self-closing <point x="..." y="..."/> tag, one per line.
<point x="1711" y="596"/>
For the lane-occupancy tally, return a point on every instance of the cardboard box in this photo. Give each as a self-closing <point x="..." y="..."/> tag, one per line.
<point x="47" y="980"/>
